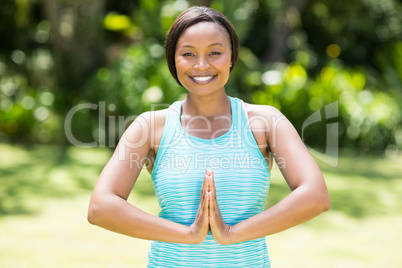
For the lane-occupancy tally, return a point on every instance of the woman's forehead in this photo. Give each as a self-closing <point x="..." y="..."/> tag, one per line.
<point x="204" y="30"/>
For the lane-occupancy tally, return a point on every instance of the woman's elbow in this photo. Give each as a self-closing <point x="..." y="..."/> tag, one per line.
<point x="94" y="212"/>
<point x="324" y="202"/>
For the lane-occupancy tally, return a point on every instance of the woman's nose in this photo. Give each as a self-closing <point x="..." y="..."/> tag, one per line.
<point x="201" y="64"/>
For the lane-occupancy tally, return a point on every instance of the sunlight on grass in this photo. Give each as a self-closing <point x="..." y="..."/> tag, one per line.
<point x="60" y="236"/>
<point x="45" y="193"/>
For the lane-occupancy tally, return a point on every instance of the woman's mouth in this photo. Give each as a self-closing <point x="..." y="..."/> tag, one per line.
<point x="202" y="79"/>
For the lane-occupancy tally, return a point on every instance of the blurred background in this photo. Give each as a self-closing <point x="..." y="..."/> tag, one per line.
<point x="74" y="74"/>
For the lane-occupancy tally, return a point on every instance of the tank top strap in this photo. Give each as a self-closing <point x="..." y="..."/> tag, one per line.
<point x="172" y="122"/>
<point x="172" y="118"/>
<point x="242" y="125"/>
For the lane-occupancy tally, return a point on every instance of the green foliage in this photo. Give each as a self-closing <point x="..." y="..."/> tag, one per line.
<point x="367" y="116"/>
<point x="27" y="113"/>
<point x="326" y="52"/>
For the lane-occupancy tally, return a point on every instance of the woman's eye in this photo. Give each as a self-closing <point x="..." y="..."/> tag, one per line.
<point x="188" y="54"/>
<point x="215" y="53"/>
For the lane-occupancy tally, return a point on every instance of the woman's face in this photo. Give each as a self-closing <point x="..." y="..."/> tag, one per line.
<point x="203" y="58"/>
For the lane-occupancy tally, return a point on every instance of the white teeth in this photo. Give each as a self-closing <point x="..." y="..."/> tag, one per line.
<point x="202" y="78"/>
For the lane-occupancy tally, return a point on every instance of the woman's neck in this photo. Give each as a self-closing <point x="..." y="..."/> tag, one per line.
<point x="208" y="106"/>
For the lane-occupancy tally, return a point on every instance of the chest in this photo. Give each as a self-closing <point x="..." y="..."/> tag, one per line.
<point x="229" y="155"/>
<point x="241" y="178"/>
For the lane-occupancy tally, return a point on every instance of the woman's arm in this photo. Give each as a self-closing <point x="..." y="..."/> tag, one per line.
<point x="109" y="207"/>
<point x="308" y="198"/>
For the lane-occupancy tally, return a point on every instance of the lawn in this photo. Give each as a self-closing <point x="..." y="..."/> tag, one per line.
<point x="44" y="193"/>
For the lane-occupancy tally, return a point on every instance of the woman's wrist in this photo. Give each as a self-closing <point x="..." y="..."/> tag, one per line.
<point x="232" y="235"/>
<point x="192" y="237"/>
<point x="224" y="236"/>
<point x="229" y="237"/>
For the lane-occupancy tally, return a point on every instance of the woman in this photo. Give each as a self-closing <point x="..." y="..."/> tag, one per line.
<point x="209" y="157"/>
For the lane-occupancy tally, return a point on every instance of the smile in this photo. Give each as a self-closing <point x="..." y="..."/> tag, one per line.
<point x="203" y="79"/>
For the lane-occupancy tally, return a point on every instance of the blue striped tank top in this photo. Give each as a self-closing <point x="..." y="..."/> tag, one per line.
<point x="241" y="177"/>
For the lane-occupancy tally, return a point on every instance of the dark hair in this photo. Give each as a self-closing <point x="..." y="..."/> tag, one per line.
<point x="188" y="18"/>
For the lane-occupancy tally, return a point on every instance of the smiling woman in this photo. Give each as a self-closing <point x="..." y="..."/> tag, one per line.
<point x="203" y="58"/>
<point x="209" y="157"/>
<point x="191" y="17"/>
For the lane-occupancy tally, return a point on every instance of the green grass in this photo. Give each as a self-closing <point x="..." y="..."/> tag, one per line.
<point x="44" y="194"/>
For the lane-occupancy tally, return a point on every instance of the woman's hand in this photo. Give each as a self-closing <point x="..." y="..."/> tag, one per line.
<point x="220" y="230"/>
<point x="200" y="227"/>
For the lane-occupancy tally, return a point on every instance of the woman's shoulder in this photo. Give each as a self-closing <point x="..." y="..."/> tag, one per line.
<point x="255" y="111"/>
<point x="150" y="119"/>
<point x="266" y="119"/>
<point x="148" y="125"/>
<point x="155" y="118"/>
<point x="269" y="120"/>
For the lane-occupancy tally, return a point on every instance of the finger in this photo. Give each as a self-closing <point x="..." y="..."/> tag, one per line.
<point x="212" y="207"/>
<point x="207" y="205"/>
<point x="204" y="182"/>
<point x="202" y="195"/>
<point x="204" y="186"/>
<point x="212" y="180"/>
<point x="207" y="180"/>
<point x="212" y="189"/>
<point x="203" y="210"/>
<point x="214" y="200"/>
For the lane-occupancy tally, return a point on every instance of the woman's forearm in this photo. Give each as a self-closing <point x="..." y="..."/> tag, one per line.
<point x="301" y="205"/>
<point x="117" y="215"/>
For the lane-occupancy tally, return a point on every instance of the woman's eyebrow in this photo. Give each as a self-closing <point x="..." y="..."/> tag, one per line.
<point x="211" y="45"/>
<point x="215" y="44"/>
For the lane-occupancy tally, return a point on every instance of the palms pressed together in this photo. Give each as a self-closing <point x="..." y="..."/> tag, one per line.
<point x="209" y="215"/>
